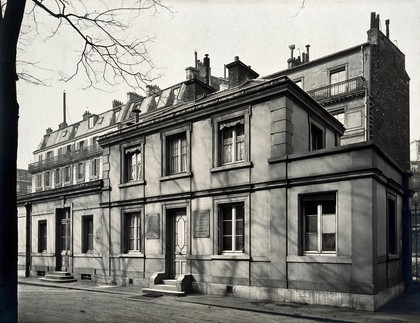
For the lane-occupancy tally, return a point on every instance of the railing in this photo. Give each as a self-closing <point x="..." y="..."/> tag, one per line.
<point x="65" y="158"/>
<point x="338" y="89"/>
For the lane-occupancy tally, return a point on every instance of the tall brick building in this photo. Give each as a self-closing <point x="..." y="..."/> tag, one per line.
<point x="244" y="185"/>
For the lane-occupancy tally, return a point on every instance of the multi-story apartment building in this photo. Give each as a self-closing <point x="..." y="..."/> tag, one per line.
<point x="23" y="182"/>
<point x="244" y="186"/>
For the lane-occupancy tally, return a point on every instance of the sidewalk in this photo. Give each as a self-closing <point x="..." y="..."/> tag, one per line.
<point x="405" y="308"/>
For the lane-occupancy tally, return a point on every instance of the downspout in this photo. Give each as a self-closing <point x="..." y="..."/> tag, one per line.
<point x="28" y="207"/>
<point x="406" y="231"/>
<point x="366" y="99"/>
<point x="287" y="220"/>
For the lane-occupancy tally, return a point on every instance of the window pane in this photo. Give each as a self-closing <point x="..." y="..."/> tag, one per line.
<point x="328" y="207"/>
<point x="227" y="243"/>
<point x="328" y="242"/>
<point x="311" y="208"/>
<point x="311" y="242"/>
<point x="227" y="212"/>
<point x="239" y="243"/>
<point x="328" y="224"/>
<point x="311" y="224"/>
<point x="227" y="228"/>
<point x="239" y="227"/>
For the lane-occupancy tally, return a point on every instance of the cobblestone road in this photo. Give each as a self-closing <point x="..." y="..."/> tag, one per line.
<point x="44" y="304"/>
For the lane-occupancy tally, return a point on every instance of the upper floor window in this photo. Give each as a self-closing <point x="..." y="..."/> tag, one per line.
<point x="299" y="82"/>
<point x="67" y="174"/>
<point x="57" y="176"/>
<point x="319" y="223"/>
<point x="80" y="171"/>
<point x="94" y="167"/>
<point x="317" y="140"/>
<point x="95" y="142"/>
<point x="91" y="121"/>
<point x="47" y="178"/>
<point x="337" y="77"/>
<point x="177" y="153"/>
<point x="49" y="155"/>
<point x="133" y="163"/>
<point x="38" y="180"/>
<point x="231" y="139"/>
<point x="81" y="145"/>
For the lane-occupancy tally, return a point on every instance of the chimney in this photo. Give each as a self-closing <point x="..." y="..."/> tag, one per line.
<point x="291" y="62"/>
<point x="307" y="53"/>
<point x="195" y="59"/>
<point x="116" y="103"/>
<point x="64" y="123"/>
<point x="373" y="33"/>
<point x="387" y="28"/>
<point x="49" y="130"/>
<point x="132" y="96"/>
<point x="152" y="89"/>
<point x="191" y="73"/>
<point x="195" y="89"/>
<point x="86" y="115"/>
<point x="206" y="63"/>
<point x="239" y="73"/>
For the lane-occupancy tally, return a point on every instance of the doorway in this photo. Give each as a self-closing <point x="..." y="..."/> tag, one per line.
<point x="63" y="243"/>
<point x="176" y="242"/>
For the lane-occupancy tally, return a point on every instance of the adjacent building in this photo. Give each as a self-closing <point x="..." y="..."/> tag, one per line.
<point x="23" y="182"/>
<point x="245" y="185"/>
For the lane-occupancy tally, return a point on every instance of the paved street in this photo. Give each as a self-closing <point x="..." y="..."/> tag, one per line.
<point x="45" y="304"/>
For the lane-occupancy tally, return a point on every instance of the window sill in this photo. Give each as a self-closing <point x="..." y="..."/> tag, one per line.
<point x="231" y="256"/>
<point x="88" y="254"/>
<point x="175" y="176"/>
<point x="132" y="255"/>
<point x="42" y="254"/>
<point x="324" y="258"/>
<point x="231" y="166"/>
<point x="132" y="183"/>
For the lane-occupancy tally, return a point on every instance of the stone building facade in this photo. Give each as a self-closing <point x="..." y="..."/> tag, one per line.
<point x="245" y="186"/>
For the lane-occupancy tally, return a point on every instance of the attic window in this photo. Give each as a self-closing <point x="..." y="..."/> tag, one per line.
<point x="64" y="133"/>
<point x="91" y="122"/>
<point x="100" y="120"/>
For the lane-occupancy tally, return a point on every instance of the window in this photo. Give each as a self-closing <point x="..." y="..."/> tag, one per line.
<point x="132" y="232"/>
<point x="299" y="83"/>
<point x="38" y="180"/>
<point x="133" y="163"/>
<point x="49" y="155"/>
<point x="80" y="171"/>
<point x="94" y="167"/>
<point x="231" y="227"/>
<point x="337" y="77"/>
<point x="57" y="175"/>
<point x="91" y="121"/>
<point x="67" y="174"/>
<point x="47" y="179"/>
<point x="81" y="145"/>
<point x="68" y="149"/>
<point x="339" y="115"/>
<point x="95" y="142"/>
<point x="42" y="236"/>
<point x="392" y="226"/>
<point x="316" y="137"/>
<point x="64" y="133"/>
<point x="232" y="141"/>
<point x="176" y="153"/>
<point x="319" y="223"/>
<point x="87" y="231"/>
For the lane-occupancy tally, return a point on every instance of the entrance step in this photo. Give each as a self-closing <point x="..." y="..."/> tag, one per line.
<point x="159" y="284"/>
<point x="59" y="277"/>
<point x="157" y="290"/>
<point x="171" y="282"/>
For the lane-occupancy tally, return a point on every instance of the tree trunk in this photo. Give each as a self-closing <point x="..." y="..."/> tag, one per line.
<point x="9" y="33"/>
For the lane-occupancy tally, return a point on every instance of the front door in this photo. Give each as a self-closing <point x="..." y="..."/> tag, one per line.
<point x="63" y="239"/>
<point x="176" y="245"/>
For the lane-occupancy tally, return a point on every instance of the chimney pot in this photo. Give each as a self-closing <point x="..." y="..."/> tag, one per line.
<point x="236" y="58"/>
<point x="291" y="47"/>
<point x="387" y="28"/>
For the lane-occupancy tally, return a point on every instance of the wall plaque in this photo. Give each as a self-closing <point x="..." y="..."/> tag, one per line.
<point x="202" y="224"/>
<point x="152" y="226"/>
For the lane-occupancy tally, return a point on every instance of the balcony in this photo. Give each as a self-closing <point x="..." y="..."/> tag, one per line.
<point x="65" y="159"/>
<point x="338" y="91"/>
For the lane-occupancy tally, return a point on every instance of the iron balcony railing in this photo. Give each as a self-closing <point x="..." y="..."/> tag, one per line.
<point x="65" y="158"/>
<point x="338" y="89"/>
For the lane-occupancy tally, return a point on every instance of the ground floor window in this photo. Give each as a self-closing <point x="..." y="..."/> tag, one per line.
<point x="87" y="230"/>
<point x="392" y="226"/>
<point x="319" y="223"/>
<point x="231" y="227"/>
<point x="42" y="236"/>
<point x="132" y="232"/>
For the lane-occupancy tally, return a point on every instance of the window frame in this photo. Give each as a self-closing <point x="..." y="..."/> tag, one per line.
<point x="42" y="236"/>
<point x="335" y="70"/>
<point x="87" y="235"/>
<point x="95" y="165"/>
<point x="314" y="124"/>
<point x="47" y="178"/>
<point x="80" y="177"/>
<point x="124" y="166"/>
<point x="244" y="113"/>
<point x="318" y="198"/>
<point x="242" y="199"/>
<point x="165" y="139"/>
<point x="138" y="231"/>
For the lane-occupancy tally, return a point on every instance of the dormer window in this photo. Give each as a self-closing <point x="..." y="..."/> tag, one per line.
<point x="64" y="133"/>
<point x="316" y="137"/>
<point x="91" y="122"/>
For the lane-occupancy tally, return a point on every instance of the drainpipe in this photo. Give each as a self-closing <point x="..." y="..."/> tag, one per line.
<point x="406" y="231"/>
<point x="366" y="100"/>
<point x="28" y="207"/>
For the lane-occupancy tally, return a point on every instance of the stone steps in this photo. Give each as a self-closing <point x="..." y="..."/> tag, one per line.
<point x="58" y="277"/>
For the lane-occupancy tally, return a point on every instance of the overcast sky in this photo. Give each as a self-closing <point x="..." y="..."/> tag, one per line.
<point x="257" y="31"/>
